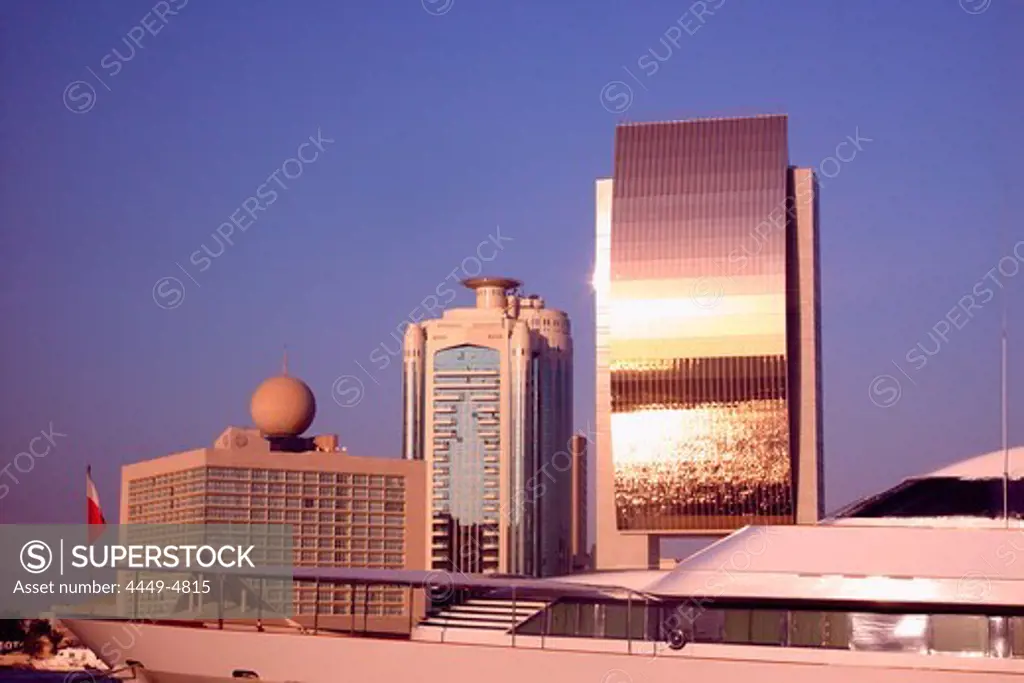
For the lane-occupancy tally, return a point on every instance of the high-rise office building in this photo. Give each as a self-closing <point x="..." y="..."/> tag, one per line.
<point x="708" y="343"/>
<point x="343" y="510"/>
<point x="488" y="406"/>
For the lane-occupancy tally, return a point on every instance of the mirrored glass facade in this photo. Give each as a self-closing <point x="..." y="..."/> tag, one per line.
<point x="466" y="469"/>
<point x="697" y="325"/>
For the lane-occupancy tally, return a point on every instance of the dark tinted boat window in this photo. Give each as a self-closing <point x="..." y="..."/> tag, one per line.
<point x="819" y="629"/>
<point x="959" y="634"/>
<point x="942" y="497"/>
<point x="563" y="619"/>
<point x="587" y="627"/>
<point x="1017" y="636"/>
<point x="754" y="627"/>
<point x="615" y="621"/>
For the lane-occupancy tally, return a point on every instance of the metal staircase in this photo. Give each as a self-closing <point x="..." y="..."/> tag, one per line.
<point x="470" y="621"/>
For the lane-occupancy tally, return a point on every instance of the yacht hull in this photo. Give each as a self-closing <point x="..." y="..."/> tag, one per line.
<point x="181" y="654"/>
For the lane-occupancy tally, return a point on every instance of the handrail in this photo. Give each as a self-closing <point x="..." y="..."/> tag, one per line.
<point x="316" y="609"/>
<point x="629" y="624"/>
<point x="513" y="616"/>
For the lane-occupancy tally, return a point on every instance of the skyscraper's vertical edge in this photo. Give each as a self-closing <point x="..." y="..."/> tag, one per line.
<point x="412" y="393"/>
<point x="805" y="346"/>
<point x="578" y="526"/>
<point x="613" y="549"/>
<point x="521" y="352"/>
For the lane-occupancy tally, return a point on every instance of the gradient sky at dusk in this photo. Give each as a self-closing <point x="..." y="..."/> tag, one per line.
<point x="446" y="126"/>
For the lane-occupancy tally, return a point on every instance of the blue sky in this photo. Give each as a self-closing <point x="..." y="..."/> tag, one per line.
<point x="449" y="119"/>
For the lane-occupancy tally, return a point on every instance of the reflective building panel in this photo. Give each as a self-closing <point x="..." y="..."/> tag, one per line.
<point x="465" y="476"/>
<point x="698" y="325"/>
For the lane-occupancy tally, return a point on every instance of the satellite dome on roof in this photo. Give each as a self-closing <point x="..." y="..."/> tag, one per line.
<point x="283" y="406"/>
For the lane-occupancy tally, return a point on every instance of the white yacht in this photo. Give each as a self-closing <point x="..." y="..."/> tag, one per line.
<point x="919" y="584"/>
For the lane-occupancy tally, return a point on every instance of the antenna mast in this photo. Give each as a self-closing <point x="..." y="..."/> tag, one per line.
<point x="1006" y="446"/>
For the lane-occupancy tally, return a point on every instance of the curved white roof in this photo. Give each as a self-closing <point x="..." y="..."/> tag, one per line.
<point x="987" y="466"/>
<point x="886" y="564"/>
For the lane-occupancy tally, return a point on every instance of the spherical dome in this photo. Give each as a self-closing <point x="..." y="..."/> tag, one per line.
<point x="283" y="406"/>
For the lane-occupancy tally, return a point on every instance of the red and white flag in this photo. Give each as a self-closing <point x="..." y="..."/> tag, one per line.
<point x="95" y="512"/>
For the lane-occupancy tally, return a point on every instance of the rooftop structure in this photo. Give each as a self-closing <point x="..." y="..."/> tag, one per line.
<point x="344" y="510"/>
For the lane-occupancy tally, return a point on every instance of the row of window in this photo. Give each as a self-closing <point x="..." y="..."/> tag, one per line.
<point x="245" y="474"/>
<point x="295" y="516"/>
<point x="329" y="535"/>
<point x="326" y="558"/>
<point x="489" y="380"/>
<point x="376" y="594"/>
<point x="165" y="479"/>
<point x="343" y="491"/>
<point x="306" y="477"/>
<point x="140" y="515"/>
<point x="354" y="543"/>
<point x="372" y="610"/>
<point x="346" y="492"/>
<point x="324" y="530"/>
<point x="977" y="635"/>
<point x="257" y="509"/>
<point x="305" y="503"/>
<point x="484" y="402"/>
<point x="136" y="516"/>
<point x="443" y="468"/>
<point x="441" y="494"/>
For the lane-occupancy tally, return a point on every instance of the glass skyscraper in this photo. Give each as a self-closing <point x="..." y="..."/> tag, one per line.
<point x="488" y="404"/>
<point x="707" y="327"/>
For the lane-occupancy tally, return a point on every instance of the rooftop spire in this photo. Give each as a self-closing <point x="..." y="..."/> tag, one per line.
<point x="284" y="361"/>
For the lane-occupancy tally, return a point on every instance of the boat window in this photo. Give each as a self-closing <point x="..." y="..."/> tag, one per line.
<point x="755" y="626"/>
<point x="941" y="497"/>
<point x="620" y="622"/>
<point x="588" y="621"/>
<point x="889" y="632"/>
<point x="957" y="633"/>
<point x="819" y="629"/>
<point x="562" y="621"/>
<point x="534" y="626"/>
